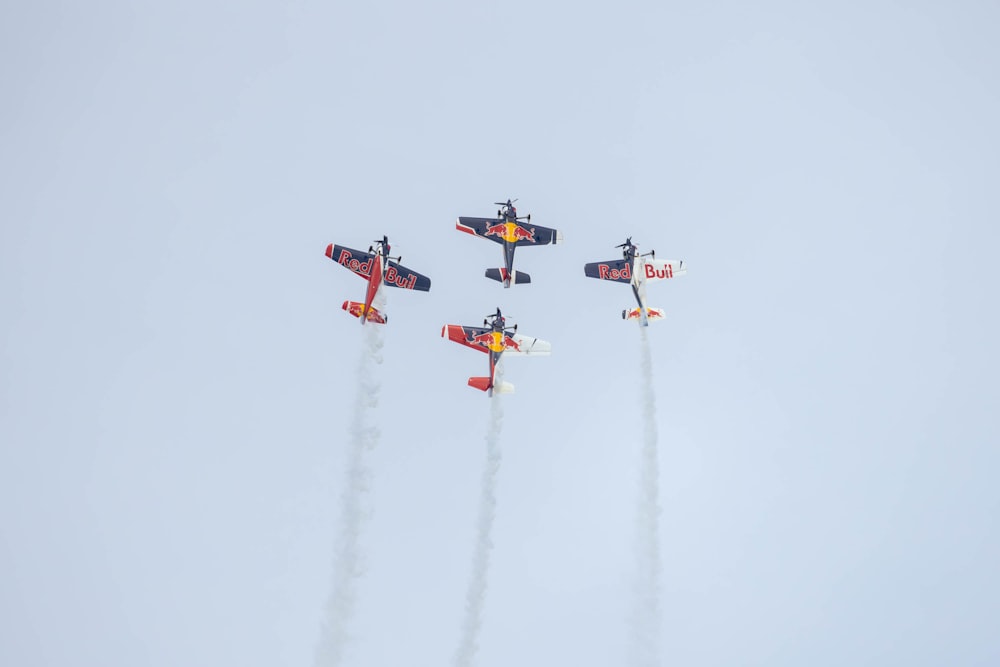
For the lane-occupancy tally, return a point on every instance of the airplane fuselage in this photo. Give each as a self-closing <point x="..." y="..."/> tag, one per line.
<point x="639" y="287"/>
<point x="375" y="278"/>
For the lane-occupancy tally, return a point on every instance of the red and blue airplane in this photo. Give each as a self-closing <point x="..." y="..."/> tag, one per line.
<point x="378" y="268"/>
<point x="495" y="338"/>
<point x="507" y="229"/>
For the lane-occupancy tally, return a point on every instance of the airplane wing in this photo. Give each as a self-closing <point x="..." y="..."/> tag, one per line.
<point x="478" y="338"/>
<point x="397" y="275"/>
<point x="501" y="231"/>
<point x="617" y="270"/>
<point x="537" y="235"/>
<point x="356" y="260"/>
<point x="526" y="346"/>
<point x="663" y="269"/>
<point x="493" y="229"/>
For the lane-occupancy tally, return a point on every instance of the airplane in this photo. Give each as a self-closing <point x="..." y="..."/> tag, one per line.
<point x="637" y="269"/>
<point x="495" y="338"/>
<point x="379" y="269"/>
<point x="507" y="229"/>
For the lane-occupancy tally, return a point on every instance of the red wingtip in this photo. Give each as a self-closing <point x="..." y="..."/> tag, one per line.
<point x="329" y="251"/>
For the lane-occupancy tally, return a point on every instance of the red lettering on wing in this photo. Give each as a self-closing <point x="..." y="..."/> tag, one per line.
<point x="605" y="272"/>
<point x="666" y="272"/>
<point x="393" y="276"/>
<point x="350" y="261"/>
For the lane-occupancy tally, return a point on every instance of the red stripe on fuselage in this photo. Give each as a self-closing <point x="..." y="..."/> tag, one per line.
<point x="374" y="280"/>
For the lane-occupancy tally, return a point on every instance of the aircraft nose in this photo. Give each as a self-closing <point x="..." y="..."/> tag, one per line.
<point x="329" y="251"/>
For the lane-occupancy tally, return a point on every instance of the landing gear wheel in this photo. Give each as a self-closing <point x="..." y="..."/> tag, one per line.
<point x="623" y="314"/>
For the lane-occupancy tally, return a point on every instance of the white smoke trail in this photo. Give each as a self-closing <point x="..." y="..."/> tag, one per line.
<point x="355" y="507"/>
<point x="475" y="597"/>
<point x="646" y="613"/>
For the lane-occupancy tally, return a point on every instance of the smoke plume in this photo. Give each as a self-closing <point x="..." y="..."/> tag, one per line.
<point x="476" y="595"/>
<point x="646" y="612"/>
<point x="355" y="507"/>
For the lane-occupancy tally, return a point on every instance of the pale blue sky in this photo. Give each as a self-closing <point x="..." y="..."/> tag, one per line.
<point x="176" y="376"/>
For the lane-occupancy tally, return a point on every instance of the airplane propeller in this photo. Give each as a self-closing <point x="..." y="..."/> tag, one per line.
<point x="497" y="316"/>
<point x="384" y="243"/>
<point x="509" y="204"/>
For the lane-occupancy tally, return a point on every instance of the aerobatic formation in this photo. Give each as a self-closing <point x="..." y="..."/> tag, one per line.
<point x="495" y="337"/>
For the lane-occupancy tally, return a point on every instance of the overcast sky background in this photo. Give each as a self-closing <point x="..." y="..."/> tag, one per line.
<point x="177" y="377"/>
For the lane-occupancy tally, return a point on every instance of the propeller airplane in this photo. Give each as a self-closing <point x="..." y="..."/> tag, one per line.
<point x="378" y="268"/>
<point x="495" y="338"/>
<point x="508" y="230"/>
<point x="637" y="269"/>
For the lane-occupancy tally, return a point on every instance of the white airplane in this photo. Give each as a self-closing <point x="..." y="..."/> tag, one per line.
<point x="638" y="270"/>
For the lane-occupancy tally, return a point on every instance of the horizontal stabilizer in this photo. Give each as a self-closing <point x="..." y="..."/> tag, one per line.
<point x="652" y="314"/>
<point x="483" y="384"/>
<point x="357" y="309"/>
<point x="480" y="383"/>
<point x="501" y="276"/>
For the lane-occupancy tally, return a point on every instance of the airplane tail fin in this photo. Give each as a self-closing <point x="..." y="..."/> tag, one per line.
<point x="652" y="314"/>
<point x="483" y="384"/>
<point x="501" y="276"/>
<point x="357" y="309"/>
